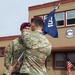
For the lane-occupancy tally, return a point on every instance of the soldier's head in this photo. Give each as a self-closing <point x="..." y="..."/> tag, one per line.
<point x="25" y="26"/>
<point x="36" y="23"/>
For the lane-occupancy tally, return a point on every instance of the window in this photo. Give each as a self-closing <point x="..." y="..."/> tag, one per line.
<point x="70" y="17"/>
<point x="2" y="50"/>
<point x="60" y="60"/>
<point x="59" y="19"/>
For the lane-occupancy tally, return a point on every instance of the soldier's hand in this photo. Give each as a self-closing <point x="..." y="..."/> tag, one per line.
<point x="11" y="69"/>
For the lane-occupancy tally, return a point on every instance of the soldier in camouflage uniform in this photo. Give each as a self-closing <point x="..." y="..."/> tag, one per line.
<point x="14" y="50"/>
<point x="37" y="49"/>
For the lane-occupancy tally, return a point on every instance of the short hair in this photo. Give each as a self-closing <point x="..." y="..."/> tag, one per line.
<point x="38" y="21"/>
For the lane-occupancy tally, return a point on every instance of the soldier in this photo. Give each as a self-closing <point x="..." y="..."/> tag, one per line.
<point x="37" y="49"/>
<point x="14" y="50"/>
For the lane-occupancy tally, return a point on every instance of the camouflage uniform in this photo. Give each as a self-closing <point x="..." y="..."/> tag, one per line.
<point x="13" y="51"/>
<point x="37" y="49"/>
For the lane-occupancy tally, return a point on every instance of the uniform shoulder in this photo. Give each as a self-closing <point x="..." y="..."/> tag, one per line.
<point x="15" y="41"/>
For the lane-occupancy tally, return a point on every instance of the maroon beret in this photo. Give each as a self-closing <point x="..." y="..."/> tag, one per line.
<point x="24" y="25"/>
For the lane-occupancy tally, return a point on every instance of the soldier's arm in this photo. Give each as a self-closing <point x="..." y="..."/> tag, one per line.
<point x="28" y="40"/>
<point x="8" y="55"/>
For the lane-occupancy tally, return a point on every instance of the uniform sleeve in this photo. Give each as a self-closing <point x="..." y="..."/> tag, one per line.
<point x="49" y="49"/>
<point x="8" y="55"/>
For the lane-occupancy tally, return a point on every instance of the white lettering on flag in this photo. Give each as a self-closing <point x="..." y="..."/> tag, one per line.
<point x="50" y="22"/>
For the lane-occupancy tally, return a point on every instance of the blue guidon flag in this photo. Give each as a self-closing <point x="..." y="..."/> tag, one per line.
<point x="50" y="26"/>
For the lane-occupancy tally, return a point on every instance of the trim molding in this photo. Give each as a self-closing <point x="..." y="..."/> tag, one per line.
<point x="67" y="48"/>
<point x="49" y="4"/>
<point x="8" y="38"/>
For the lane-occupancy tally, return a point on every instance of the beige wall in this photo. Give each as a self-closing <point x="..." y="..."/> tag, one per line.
<point x="62" y="40"/>
<point x="3" y="44"/>
<point x="2" y="68"/>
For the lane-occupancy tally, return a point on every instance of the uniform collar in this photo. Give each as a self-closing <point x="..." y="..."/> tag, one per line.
<point x="40" y="31"/>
